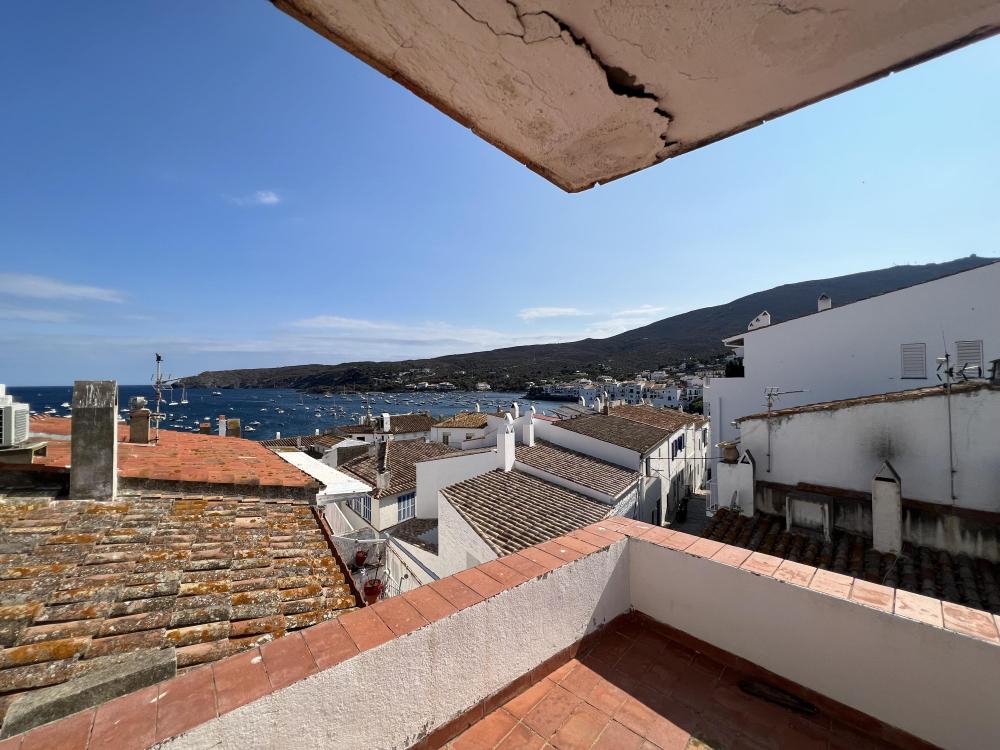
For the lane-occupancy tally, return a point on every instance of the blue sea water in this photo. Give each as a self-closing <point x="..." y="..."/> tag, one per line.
<point x="264" y="412"/>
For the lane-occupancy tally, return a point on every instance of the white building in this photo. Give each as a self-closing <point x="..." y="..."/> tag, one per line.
<point x="878" y="345"/>
<point x="915" y="466"/>
<point x="464" y="430"/>
<point x="375" y="429"/>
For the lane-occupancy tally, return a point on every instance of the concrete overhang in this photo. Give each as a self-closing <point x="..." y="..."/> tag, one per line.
<point x="585" y="91"/>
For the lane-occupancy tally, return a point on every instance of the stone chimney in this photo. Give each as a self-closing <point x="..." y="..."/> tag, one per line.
<point x="383" y="475"/>
<point x="138" y="423"/>
<point x="234" y="428"/>
<point x="94" y="448"/>
<point x="824" y="302"/>
<point x="505" y="444"/>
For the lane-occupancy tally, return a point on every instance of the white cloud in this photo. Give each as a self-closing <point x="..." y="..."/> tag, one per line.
<point x="640" y="311"/>
<point x="42" y="287"/>
<point x="259" y="198"/>
<point x="35" y="315"/>
<point x="533" y="313"/>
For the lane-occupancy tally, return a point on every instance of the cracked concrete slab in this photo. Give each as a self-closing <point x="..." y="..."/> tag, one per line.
<point x="585" y="91"/>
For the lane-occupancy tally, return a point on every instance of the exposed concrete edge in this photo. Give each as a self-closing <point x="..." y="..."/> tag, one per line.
<point x="108" y="678"/>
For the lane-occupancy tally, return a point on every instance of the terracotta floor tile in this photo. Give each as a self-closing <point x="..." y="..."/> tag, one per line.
<point x="581" y="680"/>
<point x="550" y="713"/>
<point x="563" y="552"/>
<point x="918" y="607"/>
<point x="479" y="582"/>
<point x="456" y="593"/>
<point x="729" y="555"/>
<point x="761" y="564"/>
<point x="126" y="723"/>
<point x="560" y="673"/>
<point x="71" y="733"/>
<point x="873" y="595"/>
<point x="523" y="703"/>
<point x="607" y="697"/>
<point x="969" y="621"/>
<point x="401" y="616"/>
<point x="581" y="729"/>
<point x="543" y="558"/>
<point x="429" y="603"/>
<point x="705" y="548"/>
<point x="365" y="628"/>
<point x="485" y="733"/>
<point x="240" y="679"/>
<point x="287" y="660"/>
<point x="832" y="584"/>
<point x="329" y="643"/>
<point x="528" y="568"/>
<point x="584" y="548"/>
<point x="185" y="702"/>
<point x="666" y="734"/>
<point x="635" y="715"/>
<point x="795" y="573"/>
<point x="521" y="738"/>
<point x="618" y="737"/>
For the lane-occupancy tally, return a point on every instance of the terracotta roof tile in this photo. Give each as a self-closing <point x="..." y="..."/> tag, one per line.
<point x="619" y="431"/>
<point x="401" y="457"/>
<point x="184" y="457"/>
<point x="582" y="469"/>
<point x="148" y="572"/>
<point x="666" y="419"/>
<point x="465" y="419"/>
<point x="398" y="424"/>
<point x="512" y="510"/>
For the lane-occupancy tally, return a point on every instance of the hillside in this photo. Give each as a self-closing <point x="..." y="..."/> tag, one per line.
<point x="694" y="334"/>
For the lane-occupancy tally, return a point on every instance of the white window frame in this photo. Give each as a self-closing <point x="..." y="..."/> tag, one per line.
<point x="362" y="505"/>
<point x="406" y="507"/>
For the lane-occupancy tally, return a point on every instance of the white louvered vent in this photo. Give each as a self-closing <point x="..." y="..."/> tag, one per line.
<point x="969" y="353"/>
<point x="914" y="360"/>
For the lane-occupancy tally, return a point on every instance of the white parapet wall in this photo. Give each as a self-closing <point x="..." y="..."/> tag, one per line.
<point x="392" y="695"/>
<point x="933" y="683"/>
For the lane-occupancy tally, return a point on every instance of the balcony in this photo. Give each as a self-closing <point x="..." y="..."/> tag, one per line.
<point x="616" y="635"/>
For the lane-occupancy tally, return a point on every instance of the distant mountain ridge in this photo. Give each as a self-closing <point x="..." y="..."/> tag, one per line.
<point x="694" y="334"/>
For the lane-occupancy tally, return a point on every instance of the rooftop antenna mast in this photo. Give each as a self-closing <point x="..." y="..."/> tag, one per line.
<point x="771" y="393"/>
<point x="953" y="375"/>
<point x="161" y="383"/>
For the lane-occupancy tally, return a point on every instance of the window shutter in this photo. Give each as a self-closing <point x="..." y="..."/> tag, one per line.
<point x="969" y="353"/>
<point x="914" y="360"/>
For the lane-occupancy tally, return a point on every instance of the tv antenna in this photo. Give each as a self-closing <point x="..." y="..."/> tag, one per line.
<point x="951" y="375"/>
<point x="771" y="393"/>
<point x="161" y="383"/>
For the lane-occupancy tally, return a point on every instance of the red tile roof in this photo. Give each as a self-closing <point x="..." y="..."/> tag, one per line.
<point x="579" y="468"/>
<point x="186" y="457"/>
<point x="210" y="577"/>
<point x="666" y="419"/>
<point x="401" y="457"/>
<point x="465" y="419"/>
<point x="398" y="424"/>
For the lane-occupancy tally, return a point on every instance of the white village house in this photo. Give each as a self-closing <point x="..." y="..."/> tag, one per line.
<point x="877" y="345"/>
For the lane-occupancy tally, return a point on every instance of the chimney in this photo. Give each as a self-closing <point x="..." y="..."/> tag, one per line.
<point x="515" y="409"/>
<point x="383" y="475"/>
<point x="222" y="425"/>
<point x="94" y="447"/>
<point x="606" y="407"/>
<point x="386" y="421"/>
<point x="761" y="321"/>
<point x="205" y="428"/>
<point x="528" y="427"/>
<point x="824" y="302"/>
<point x="277" y="435"/>
<point x="477" y="407"/>
<point x="233" y="427"/>
<point x="138" y="425"/>
<point x="505" y="444"/>
<point x="317" y="431"/>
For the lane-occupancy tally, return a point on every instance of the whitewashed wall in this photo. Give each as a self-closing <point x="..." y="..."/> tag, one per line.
<point x="846" y="447"/>
<point x="545" y="430"/>
<point x="854" y="350"/>
<point x="441" y="472"/>
<point x="459" y="547"/>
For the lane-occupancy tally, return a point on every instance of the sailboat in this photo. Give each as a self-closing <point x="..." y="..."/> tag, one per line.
<point x="184" y="395"/>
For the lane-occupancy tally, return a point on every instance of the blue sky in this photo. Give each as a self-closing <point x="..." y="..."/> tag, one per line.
<point x="216" y="182"/>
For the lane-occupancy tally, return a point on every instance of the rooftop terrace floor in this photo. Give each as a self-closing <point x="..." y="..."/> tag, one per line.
<point x="637" y="689"/>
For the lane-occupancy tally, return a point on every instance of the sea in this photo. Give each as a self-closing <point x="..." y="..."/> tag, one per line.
<point x="264" y="412"/>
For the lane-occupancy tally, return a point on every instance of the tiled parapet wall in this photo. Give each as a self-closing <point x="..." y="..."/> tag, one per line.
<point x="927" y="667"/>
<point x="408" y="671"/>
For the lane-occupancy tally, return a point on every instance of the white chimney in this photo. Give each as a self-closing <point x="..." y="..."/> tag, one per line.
<point x="505" y="444"/>
<point x="761" y="321"/>
<point x="824" y="302"/>
<point x="222" y="425"/>
<point x="528" y="427"/>
<point x="515" y="409"/>
<point x="385" y="421"/>
<point x="477" y="407"/>
<point x="277" y="435"/>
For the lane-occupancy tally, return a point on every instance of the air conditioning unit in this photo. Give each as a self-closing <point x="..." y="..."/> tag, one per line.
<point x="13" y="421"/>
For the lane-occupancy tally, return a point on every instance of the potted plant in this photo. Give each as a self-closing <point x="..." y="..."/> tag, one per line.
<point x="373" y="590"/>
<point x="360" y="555"/>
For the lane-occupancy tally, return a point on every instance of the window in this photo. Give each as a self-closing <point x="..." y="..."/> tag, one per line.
<point x="362" y="506"/>
<point x="469" y="436"/>
<point x="914" y="360"/>
<point x="969" y="353"/>
<point x="445" y="437"/>
<point x="406" y="506"/>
